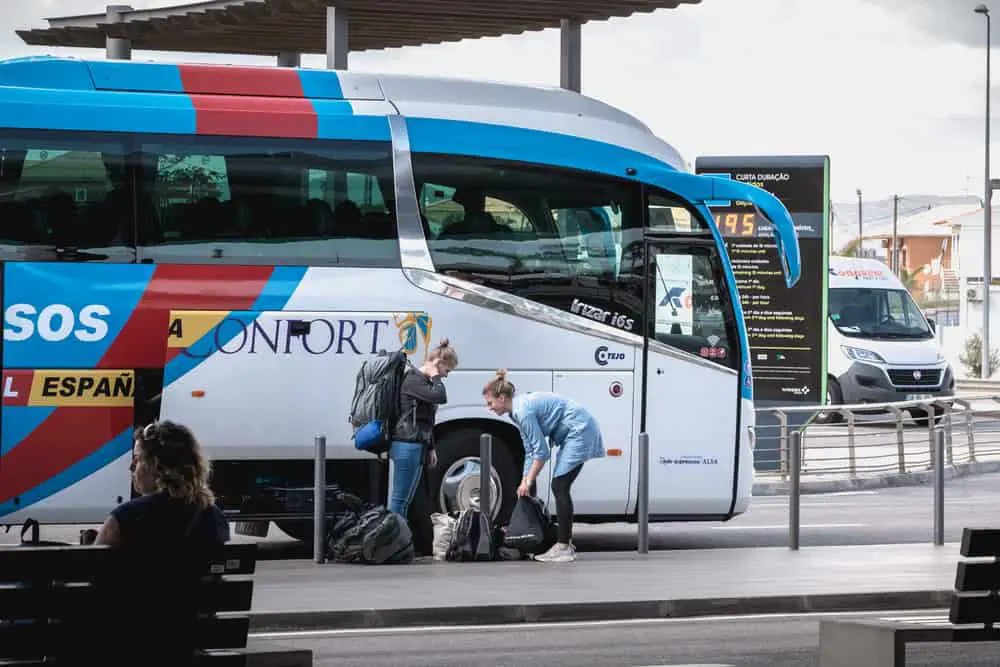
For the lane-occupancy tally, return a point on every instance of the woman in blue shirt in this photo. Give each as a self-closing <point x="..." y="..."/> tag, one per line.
<point x="543" y="416"/>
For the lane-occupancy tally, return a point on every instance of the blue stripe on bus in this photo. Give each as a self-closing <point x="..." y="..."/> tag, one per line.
<point x="18" y="421"/>
<point x="45" y="72"/>
<point x="431" y="135"/>
<point x="97" y="111"/>
<point x="120" y="445"/>
<point x="321" y="84"/>
<point x="142" y="77"/>
<point x="338" y="121"/>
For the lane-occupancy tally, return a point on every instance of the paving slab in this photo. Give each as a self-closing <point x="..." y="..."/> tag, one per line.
<point x="604" y="586"/>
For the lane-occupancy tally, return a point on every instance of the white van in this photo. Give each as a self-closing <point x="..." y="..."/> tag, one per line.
<point x="880" y="347"/>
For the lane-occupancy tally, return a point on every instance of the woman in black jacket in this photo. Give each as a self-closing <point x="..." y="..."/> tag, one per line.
<point x="413" y="439"/>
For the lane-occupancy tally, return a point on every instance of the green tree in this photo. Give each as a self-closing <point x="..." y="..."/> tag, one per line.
<point x="972" y="356"/>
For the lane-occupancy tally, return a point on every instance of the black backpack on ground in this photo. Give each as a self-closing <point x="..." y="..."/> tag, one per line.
<point x="531" y="530"/>
<point x="472" y="539"/>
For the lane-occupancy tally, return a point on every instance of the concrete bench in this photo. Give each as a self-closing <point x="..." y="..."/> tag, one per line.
<point x="881" y="641"/>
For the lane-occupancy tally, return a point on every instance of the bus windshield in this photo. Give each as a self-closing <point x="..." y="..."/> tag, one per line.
<point x="877" y="313"/>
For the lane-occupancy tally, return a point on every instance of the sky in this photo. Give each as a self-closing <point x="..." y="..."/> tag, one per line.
<point x="892" y="90"/>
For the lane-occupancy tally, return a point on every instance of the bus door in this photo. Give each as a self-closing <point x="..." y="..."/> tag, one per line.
<point x="68" y="274"/>
<point x="692" y="385"/>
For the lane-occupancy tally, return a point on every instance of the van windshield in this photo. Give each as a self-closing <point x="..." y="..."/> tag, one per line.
<point x="877" y="313"/>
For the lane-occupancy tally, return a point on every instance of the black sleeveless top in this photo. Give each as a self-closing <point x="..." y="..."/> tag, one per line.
<point x="159" y="519"/>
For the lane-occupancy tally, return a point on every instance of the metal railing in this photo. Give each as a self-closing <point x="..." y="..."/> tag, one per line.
<point x="876" y="439"/>
<point x="882" y="438"/>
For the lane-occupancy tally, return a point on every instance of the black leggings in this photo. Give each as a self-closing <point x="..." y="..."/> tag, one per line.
<point x="564" y="504"/>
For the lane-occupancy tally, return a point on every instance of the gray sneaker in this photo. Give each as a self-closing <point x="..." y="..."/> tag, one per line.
<point x="559" y="553"/>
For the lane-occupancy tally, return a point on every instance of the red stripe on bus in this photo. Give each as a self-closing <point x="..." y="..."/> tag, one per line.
<point x="252" y="81"/>
<point x="142" y="341"/>
<point x="68" y="436"/>
<point x="255" y="116"/>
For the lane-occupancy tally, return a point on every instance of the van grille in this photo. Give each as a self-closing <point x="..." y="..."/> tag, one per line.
<point x="915" y="377"/>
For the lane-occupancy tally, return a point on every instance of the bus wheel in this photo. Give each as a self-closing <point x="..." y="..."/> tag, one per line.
<point x="297" y="529"/>
<point x="455" y="482"/>
<point x="833" y="397"/>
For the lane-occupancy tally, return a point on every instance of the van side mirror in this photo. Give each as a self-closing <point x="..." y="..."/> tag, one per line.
<point x="933" y="324"/>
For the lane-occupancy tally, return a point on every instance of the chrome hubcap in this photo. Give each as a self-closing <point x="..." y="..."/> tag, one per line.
<point x="460" y="487"/>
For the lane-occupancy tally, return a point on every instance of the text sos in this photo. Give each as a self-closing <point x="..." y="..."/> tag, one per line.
<point x="55" y="322"/>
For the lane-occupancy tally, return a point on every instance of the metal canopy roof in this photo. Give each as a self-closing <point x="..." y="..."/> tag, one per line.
<point x="269" y="27"/>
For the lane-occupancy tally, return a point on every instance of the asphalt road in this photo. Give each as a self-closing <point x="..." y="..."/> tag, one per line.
<point x="884" y="516"/>
<point x="777" y="641"/>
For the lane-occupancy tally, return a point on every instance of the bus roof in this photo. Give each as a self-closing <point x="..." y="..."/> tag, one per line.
<point x="123" y="88"/>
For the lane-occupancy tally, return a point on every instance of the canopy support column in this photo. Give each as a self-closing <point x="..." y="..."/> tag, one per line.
<point x="336" y="38"/>
<point x="569" y="57"/>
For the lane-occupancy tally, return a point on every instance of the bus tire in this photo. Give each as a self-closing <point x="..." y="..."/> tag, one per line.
<point x="454" y="482"/>
<point x="297" y="529"/>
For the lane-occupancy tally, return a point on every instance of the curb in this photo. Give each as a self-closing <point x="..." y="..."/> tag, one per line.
<point x="594" y="611"/>
<point x="923" y="477"/>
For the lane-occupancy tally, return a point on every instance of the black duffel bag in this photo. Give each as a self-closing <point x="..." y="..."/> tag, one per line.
<point x="531" y="529"/>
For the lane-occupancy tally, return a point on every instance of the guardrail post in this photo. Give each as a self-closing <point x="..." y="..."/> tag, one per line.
<point x="939" y="486"/>
<point x="852" y="455"/>
<point x="782" y="442"/>
<point x="643" y="508"/>
<point x="931" y="429"/>
<point x="795" y="463"/>
<point x="319" y="500"/>
<point x="900" y="440"/>
<point x="948" y="429"/>
<point x="970" y="427"/>
<point x="486" y="476"/>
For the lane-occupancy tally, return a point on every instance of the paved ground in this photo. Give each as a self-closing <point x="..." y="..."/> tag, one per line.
<point x="756" y="642"/>
<point x="599" y="586"/>
<point x="881" y="516"/>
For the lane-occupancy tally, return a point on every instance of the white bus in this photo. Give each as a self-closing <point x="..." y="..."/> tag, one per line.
<point x="224" y="246"/>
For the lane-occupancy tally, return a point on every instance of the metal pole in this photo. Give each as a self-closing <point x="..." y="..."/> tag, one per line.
<point x="643" y="508"/>
<point x="319" y="500"/>
<point x="860" y="228"/>
<point x="795" y="468"/>
<point x="939" y="486"/>
<point x="893" y="254"/>
<point x="486" y="475"/>
<point x="987" y="214"/>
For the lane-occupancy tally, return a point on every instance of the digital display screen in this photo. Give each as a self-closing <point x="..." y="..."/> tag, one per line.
<point x="786" y="326"/>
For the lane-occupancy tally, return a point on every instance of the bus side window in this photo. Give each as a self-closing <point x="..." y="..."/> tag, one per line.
<point x="546" y="234"/>
<point x="64" y="192"/>
<point x="268" y="201"/>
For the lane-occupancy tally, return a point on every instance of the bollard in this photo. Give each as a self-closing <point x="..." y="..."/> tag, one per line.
<point x="319" y="500"/>
<point x="643" y="508"/>
<point x="486" y="476"/>
<point x="939" y="486"/>
<point x="795" y="471"/>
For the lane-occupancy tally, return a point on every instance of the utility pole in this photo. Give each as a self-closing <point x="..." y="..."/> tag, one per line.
<point x="861" y="235"/>
<point x="894" y="253"/>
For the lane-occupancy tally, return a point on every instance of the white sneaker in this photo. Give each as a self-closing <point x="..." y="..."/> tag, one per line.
<point x="559" y="553"/>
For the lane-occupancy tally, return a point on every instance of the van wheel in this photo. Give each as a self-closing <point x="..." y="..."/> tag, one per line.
<point x="833" y="397"/>
<point x="455" y="482"/>
<point x="921" y="418"/>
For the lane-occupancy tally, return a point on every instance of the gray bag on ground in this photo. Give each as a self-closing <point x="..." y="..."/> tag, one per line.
<point x="376" y="536"/>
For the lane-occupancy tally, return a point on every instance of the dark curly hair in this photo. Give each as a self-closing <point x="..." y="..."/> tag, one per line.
<point x="176" y="462"/>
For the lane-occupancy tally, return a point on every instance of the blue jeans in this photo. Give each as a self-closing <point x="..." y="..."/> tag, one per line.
<point x="407" y="465"/>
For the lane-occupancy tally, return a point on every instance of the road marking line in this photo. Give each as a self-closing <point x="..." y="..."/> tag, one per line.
<point x="783" y="526"/>
<point x="509" y="627"/>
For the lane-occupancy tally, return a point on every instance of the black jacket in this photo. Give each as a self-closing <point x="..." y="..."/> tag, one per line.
<point x="419" y="398"/>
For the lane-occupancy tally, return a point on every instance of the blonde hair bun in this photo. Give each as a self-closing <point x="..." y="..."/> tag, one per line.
<point x="443" y="343"/>
<point x="501" y="374"/>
